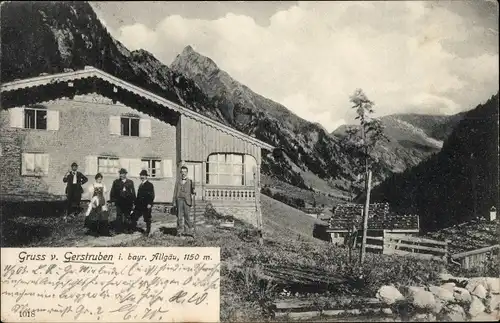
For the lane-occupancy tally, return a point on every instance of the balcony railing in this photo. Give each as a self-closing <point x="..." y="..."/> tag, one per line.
<point x="234" y="193"/>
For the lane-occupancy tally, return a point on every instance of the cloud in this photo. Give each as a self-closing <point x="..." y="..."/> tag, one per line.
<point x="406" y="56"/>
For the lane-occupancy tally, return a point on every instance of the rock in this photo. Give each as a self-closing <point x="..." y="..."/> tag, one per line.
<point x="421" y="298"/>
<point x="387" y="311"/>
<point x="462" y="295"/>
<point x="476" y="306"/>
<point x="449" y="286"/>
<point x="424" y="317"/>
<point x="446" y="277"/>
<point x="415" y="289"/>
<point x="494" y="303"/>
<point x="491" y="284"/>
<point x="449" y="278"/>
<point x="438" y="306"/>
<point x="485" y="317"/>
<point x="454" y="313"/>
<point x="389" y="295"/>
<point x="480" y="291"/>
<point x="442" y="293"/>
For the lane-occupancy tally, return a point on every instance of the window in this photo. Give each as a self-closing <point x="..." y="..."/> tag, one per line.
<point x="194" y="172"/>
<point x="153" y="166"/>
<point x="35" y="164"/>
<point x="35" y="118"/>
<point x="226" y="169"/>
<point x="108" y="165"/>
<point x="130" y="126"/>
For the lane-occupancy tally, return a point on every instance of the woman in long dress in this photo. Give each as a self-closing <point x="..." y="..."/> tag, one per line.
<point x="97" y="214"/>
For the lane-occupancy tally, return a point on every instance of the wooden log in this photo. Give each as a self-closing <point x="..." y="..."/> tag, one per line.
<point x="371" y="246"/>
<point x="417" y="240"/>
<point x="336" y="303"/>
<point x="299" y="315"/>
<point x="474" y="252"/>
<point x="404" y="245"/>
<point x="408" y="253"/>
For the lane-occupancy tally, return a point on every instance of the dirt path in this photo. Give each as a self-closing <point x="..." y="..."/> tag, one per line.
<point x="158" y="226"/>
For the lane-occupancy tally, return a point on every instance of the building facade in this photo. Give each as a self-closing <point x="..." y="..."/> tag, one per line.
<point x="105" y="124"/>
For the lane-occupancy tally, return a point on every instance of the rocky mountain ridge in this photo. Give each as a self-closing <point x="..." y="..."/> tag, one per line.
<point x="49" y="37"/>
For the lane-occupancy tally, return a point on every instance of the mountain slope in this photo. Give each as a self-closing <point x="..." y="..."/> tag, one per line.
<point x="457" y="184"/>
<point x="306" y="147"/>
<point x="412" y="138"/>
<point x="50" y="37"/>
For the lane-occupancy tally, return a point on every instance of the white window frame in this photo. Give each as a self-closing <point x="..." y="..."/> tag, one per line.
<point x="192" y="167"/>
<point x="218" y="173"/>
<point x="34" y="172"/>
<point x="130" y="118"/>
<point x="107" y="172"/>
<point x="158" y="169"/>
<point x="36" y="110"/>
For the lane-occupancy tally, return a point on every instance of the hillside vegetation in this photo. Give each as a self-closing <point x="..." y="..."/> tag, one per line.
<point x="458" y="184"/>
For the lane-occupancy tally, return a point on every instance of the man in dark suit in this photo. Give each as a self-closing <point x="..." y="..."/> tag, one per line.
<point x="74" y="181"/>
<point x="183" y="199"/>
<point x="144" y="201"/>
<point x="123" y="196"/>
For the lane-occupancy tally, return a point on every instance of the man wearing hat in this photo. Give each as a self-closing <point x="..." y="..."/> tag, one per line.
<point x="123" y="196"/>
<point x="144" y="201"/>
<point x="74" y="181"/>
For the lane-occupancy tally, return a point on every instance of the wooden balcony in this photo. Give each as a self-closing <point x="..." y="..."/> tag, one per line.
<point x="229" y="193"/>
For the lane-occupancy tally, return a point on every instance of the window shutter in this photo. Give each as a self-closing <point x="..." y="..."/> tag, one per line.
<point x="115" y="125"/>
<point x="135" y="167"/>
<point x="167" y="168"/>
<point x="125" y="163"/>
<point x="45" y="164"/>
<point x="190" y="174"/>
<point x="91" y="165"/>
<point x="197" y="173"/>
<point x="28" y="162"/>
<point x="52" y="120"/>
<point x="145" y="128"/>
<point x="16" y="117"/>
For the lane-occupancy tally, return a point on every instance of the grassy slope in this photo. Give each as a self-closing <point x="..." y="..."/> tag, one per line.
<point x="307" y="195"/>
<point x="285" y="221"/>
<point x="245" y="287"/>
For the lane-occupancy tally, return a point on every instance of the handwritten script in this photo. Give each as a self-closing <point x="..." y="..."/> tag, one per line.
<point x="110" y="284"/>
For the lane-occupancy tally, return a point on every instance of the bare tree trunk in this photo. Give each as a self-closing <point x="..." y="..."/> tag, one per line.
<point x="365" y="216"/>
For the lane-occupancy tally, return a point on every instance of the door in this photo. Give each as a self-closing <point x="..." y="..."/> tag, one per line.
<point x="196" y="175"/>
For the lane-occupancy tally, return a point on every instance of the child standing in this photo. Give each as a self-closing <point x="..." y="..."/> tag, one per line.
<point x="97" y="215"/>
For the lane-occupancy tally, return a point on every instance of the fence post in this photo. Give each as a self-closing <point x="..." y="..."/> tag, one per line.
<point x="383" y="241"/>
<point x="445" y="257"/>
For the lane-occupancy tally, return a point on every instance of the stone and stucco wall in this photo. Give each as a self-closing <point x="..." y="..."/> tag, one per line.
<point x="83" y="131"/>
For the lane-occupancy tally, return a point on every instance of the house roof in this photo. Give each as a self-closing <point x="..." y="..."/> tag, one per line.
<point x="379" y="218"/>
<point x="355" y="211"/>
<point x="93" y="73"/>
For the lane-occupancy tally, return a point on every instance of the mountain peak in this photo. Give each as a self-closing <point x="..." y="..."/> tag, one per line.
<point x="188" y="50"/>
<point x="192" y="63"/>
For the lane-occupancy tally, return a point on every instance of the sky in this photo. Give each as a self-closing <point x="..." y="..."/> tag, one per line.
<point x="430" y="57"/>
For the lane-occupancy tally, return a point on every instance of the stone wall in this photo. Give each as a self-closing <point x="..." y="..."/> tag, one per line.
<point x="457" y="299"/>
<point x="241" y="210"/>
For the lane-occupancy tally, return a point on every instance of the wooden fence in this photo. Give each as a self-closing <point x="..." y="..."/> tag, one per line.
<point x="475" y="258"/>
<point x="391" y="244"/>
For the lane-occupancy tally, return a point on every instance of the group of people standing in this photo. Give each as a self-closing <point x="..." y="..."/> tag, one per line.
<point x="128" y="206"/>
